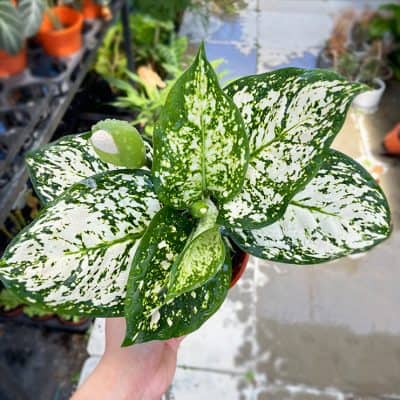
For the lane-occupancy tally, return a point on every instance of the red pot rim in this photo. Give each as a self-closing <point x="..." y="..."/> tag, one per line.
<point x="238" y="270"/>
<point x="11" y="313"/>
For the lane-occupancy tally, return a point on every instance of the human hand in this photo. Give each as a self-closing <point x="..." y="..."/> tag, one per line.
<point x="139" y="372"/>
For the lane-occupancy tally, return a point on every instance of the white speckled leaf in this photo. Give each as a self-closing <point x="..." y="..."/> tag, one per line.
<point x="340" y="212"/>
<point x="148" y="313"/>
<point x="292" y="116"/>
<point x="76" y="255"/>
<point x="200" y="261"/>
<point x="55" y="167"/>
<point x="200" y="145"/>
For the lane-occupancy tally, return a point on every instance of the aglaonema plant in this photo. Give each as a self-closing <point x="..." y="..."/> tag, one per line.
<point x="250" y="163"/>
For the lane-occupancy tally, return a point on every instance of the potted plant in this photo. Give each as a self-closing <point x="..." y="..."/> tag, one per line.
<point x="37" y="312"/>
<point x="71" y="320"/>
<point x="17" y="23"/>
<point x="249" y="165"/>
<point x="10" y="304"/>
<point x="60" y="32"/>
<point x="370" y="69"/>
<point x="385" y="26"/>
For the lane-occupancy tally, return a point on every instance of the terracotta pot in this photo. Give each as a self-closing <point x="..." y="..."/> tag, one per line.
<point x="392" y="140"/>
<point x="91" y="10"/>
<point x="12" y="64"/>
<point x="239" y="264"/>
<point x="11" y="313"/>
<point x="63" y="42"/>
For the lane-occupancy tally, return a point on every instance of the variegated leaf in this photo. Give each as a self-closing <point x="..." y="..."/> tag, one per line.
<point x="75" y="257"/>
<point x="203" y="255"/>
<point x="292" y="115"/>
<point x="200" y="261"/>
<point x="340" y="212"/>
<point x="55" y="167"/>
<point x="148" y="314"/>
<point x="200" y="145"/>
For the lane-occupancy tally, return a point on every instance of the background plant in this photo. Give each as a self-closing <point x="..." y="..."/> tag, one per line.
<point x="250" y="164"/>
<point x="19" y="22"/>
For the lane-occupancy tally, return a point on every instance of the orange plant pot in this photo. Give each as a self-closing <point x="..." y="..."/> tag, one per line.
<point x="63" y="42"/>
<point x="392" y="140"/>
<point x="91" y="10"/>
<point x="12" y="64"/>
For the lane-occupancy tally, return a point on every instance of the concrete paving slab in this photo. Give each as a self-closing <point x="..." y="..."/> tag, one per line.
<point x="199" y="385"/>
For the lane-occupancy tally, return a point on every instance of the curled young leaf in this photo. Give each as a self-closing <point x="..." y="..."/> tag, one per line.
<point x="200" y="145"/>
<point x="148" y="313"/>
<point x="292" y="116"/>
<point x="340" y="212"/>
<point x="75" y="257"/>
<point x="201" y="259"/>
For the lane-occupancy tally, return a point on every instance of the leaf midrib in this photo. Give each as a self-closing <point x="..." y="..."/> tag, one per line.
<point x="313" y="209"/>
<point x="106" y="244"/>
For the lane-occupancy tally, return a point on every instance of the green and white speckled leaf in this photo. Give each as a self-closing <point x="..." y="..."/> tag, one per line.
<point x="200" y="145"/>
<point x="75" y="257"/>
<point x="292" y="116"/>
<point x="55" y="167"/>
<point x="340" y="212"/>
<point x="148" y="315"/>
<point x="202" y="258"/>
<point x="203" y="255"/>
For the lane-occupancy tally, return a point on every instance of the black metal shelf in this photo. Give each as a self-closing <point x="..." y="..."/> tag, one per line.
<point x="45" y="114"/>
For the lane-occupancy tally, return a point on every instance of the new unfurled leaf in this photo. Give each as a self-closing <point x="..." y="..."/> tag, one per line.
<point x="76" y="255"/>
<point x="292" y="116"/>
<point x="200" y="145"/>
<point x="340" y="212"/>
<point x="148" y="314"/>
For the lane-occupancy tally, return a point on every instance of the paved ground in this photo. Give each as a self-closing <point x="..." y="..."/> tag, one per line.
<point x="39" y="364"/>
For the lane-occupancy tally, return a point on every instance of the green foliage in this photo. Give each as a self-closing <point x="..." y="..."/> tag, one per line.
<point x="19" y="23"/>
<point x="9" y="300"/>
<point x="123" y="242"/>
<point x="36" y="310"/>
<point x="154" y="41"/>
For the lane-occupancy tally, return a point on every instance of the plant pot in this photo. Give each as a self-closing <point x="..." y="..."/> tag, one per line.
<point x="63" y="42"/>
<point x="368" y="101"/>
<point x="392" y="141"/>
<point x="12" y="64"/>
<point x="239" y="264"/>
<point x="11" y="313"/>
<point x="91" y="10"/>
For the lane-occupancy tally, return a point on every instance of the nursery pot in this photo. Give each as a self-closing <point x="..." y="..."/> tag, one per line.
<point x="392" y="141"/>
<point x="66" y="41"/>
<point x="369" y="100"/>
<point x="12" y="64"/>
<point x="91" y="10"/>
<point x="239" y="264"/>
<point x="11" y="313"/>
